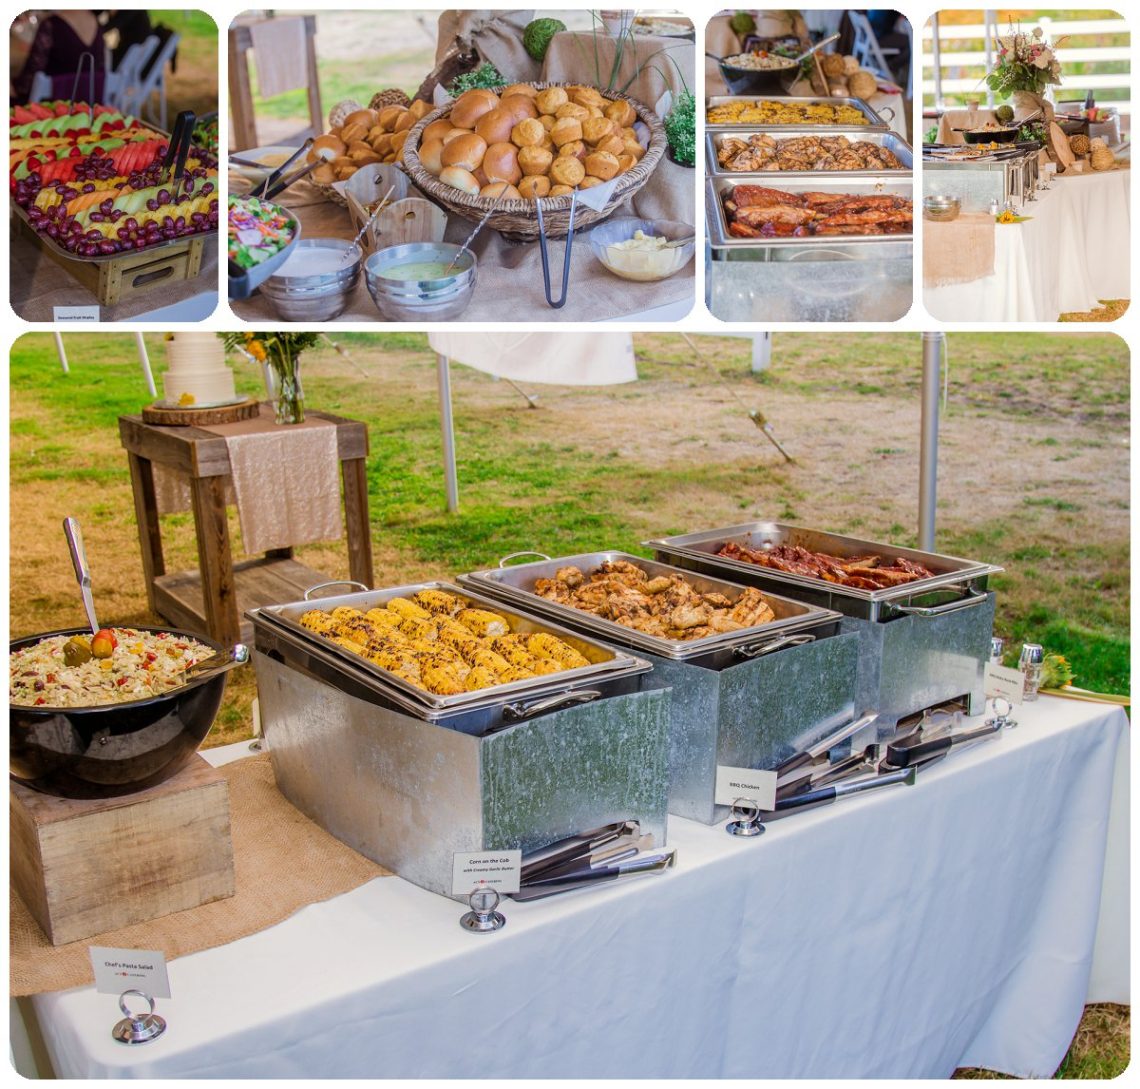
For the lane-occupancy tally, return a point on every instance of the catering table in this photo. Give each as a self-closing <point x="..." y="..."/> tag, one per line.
<point x="902" y="933"/>
<point x="1073" y="253"/>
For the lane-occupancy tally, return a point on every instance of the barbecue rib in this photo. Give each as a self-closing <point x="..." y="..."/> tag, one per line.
<point x="757" y="211"/>
<point x="861" y="572"/>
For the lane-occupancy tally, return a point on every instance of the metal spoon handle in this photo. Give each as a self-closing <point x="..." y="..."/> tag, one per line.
<point x="818" y="45"/>
<point x="368" y="222"/>
<point x="471" y="237"/>
<point x="82" y="571"/>
<point x="236" y="655"/>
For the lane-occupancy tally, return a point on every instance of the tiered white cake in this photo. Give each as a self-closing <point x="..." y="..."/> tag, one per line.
<point x="197" y="374"/>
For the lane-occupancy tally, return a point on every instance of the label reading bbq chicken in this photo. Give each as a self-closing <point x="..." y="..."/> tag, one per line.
<point x="747" y="783"/>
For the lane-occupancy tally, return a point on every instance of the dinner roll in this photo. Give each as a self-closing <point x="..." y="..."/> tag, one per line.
<point x="481" y="177"/>
<point x="387" y="117"/>
<point x="601" y="164"/>
<point x="572" y="109"/>
<point x="458" y="178"/>
<point x="626" y="162"/>
<point x="326" y="147"/>
<point x="566" y="129"/>
<point x="632" y="147"/>
<point x="621" y="111"/>
<point x="421" y="108"/>
<point x="534" y="186"/>
<point x="466" y="151"/>
<point x="365" y="156"/>
<point x="547" y="120"/>
<point x="560" y="190"/>
<point x="535" y="160"/>
<point x="598" y="128"/>
<point x="588" y="96"/>
<point x="495" y="126"/>
<point x="405" y="121"/>
<point x="357" y="130"/>
<point x="520" y="107"/>
<point x="615" y="145"/>
<point x="324" y="174"/>
<point x="528" y="133"/>
<point x="589" y="181"/>
<point x="365" y="117"/>
<point x="437" y="130"/>
<point x="549" y="100"/>
<point x="566" y="170"/>
<point x="520" y="89"/>
<point x="501" y="163"/>
<point x="575" y="148"/>
<point x="454" y="134"/>
<point x="430" y="152"/>
<point x="500" y="191"/>
<point x="469" y="107"/>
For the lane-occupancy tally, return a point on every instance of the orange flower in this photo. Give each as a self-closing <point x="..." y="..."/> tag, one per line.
<point x="256" y="349"/>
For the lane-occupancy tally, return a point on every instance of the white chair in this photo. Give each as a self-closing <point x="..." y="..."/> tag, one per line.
<point x="154" y="82"/>
<point x="866" y="49"/>
<point x="128" y="80"/>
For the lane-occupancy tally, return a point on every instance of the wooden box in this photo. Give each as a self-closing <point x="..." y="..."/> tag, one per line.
<point x="86" y="867"/>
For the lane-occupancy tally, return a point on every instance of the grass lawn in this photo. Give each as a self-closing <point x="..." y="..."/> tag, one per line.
<point x="1033" y="477"/>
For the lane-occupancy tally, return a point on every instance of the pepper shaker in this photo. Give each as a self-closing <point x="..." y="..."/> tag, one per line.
<point x="1030" y="664"/>
<point x="997" y="649"/>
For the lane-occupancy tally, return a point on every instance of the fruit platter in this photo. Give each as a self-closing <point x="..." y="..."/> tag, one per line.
<point x="93" y="183"/>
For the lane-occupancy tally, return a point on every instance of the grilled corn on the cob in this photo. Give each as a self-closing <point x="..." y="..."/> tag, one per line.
<point x="437" y="602"/>
<point x="482" y="622"/>
<point x="408" y="609"/>
<point x="544" y="645"/>
<point x="480" y="678"/>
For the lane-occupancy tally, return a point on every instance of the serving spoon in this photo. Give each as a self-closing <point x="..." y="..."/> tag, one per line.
<point x="82" y="571"/>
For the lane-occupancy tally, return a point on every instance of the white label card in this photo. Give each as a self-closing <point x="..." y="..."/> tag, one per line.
<point x="756" y="786"/>
<point x="1004" y="682"/>
<point x="499" y="870"/>
<point x="118" y="970"/>
<point x="86" y="314"/>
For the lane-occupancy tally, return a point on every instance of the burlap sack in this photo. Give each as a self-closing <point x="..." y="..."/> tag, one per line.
<point x="957" y="251"/>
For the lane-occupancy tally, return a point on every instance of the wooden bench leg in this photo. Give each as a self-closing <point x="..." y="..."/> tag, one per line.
<point x="146" y="518"/>
<point x="355" y="477"/>
<point x="215" y="561"/>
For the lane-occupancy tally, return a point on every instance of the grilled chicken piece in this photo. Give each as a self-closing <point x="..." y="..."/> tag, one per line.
<point x="717" y="601"/>
<point x="570" y="575"/>
<point x="689" y="616"/>
<point x="483" y="622"/>
<point x="722" y="622"/>
<point x="751" y="609"/>
<point x="655" y="586"/>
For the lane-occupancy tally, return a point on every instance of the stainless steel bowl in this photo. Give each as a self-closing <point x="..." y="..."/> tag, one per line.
<point x="422" y="300"/>
<point x="941" y="208"/>
<point x="319" y="296"/>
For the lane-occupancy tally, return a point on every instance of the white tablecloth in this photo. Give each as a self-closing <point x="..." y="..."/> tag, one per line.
<point x="902" y="933"/>
<point x="1073" y="253"/>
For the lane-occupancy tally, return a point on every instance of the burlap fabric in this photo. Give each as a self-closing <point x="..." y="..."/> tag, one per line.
<point x="957" y="251"/>
<point x="37" y="284"/>
<point x="509" y="285"/>
<point x="282" y="862"/>
<point x="284" y="481"/>
<point x="654" y="64"/>
<point x="496" y="36"/>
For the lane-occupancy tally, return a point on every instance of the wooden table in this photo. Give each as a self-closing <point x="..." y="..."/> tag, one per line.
<point x="215" y="597"/>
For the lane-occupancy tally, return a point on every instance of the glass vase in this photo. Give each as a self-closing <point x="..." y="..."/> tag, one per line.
<point x="288" y="396"/>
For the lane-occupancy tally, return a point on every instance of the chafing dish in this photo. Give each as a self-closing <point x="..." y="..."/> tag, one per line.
<point x="409" y="784"/>
<point x="922" y="643"/>
<point x="750" y="698"/>
<point x="715" y="137"/>
<point x="874" y="121"/>
<point x="976" y="183"/>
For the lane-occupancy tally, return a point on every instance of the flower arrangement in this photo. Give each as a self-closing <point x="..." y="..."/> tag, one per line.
<point x="1026" y="62"/>
<point x="279" y="353"/>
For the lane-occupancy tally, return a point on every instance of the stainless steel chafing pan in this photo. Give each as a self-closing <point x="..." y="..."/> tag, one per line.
<point x="956" y="583"/>
<point x="894" y="143"/>
<point x="874" y="121"/>
<point x="515" y="584"/>
<point x="604" y="661"/>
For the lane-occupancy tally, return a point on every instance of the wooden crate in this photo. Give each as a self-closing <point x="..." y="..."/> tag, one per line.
<point x="128" y="275"/>
<point x="86" y="867"/>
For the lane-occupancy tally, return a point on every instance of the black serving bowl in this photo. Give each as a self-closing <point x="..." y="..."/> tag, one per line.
<point x="992" y="136"/>
<point x="113" y="748"/>
<point x="758" y="81"/>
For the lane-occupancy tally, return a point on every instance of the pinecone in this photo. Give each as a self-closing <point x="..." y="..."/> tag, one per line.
<point x="391" y="97"/>
<point x="1079" y="144"/>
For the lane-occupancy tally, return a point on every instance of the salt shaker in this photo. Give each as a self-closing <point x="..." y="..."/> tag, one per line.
<point x="995" y="207"/>
<point x="997" y="649"/>
<point x="1030" y="664"/>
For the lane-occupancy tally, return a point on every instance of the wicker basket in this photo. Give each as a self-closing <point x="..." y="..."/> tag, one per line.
<point x="517" y="218"/>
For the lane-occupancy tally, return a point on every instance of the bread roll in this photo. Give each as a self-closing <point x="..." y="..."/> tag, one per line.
<point x="566" y="129"/>
<point x="344" y="168"/>
<point x="405" y="121"/>
<point x="601" y="164"/>
<point x="626" y="162"/>
<point x="547" y="120"/>
<point x="387" y="117"/>
<point x="572" y="109"/>
<point x="469" y="107"/>
<point x="501" y="163"/>
<point x="520" y="107"/>
<point x="534" y="186"/>
<point x="520" y="89"/>
<point x="355" y="131"/>
<point x="560" y="190"/>
<point x="466" y="151"/>
<point x="365" y="117"/>
<point x="435" y="131"/>
<point x="534" y="160"/>
<point x="575" y="148"/>
<point x="598" y="128"/>
<point x="486" y="92"/>
<point x="396" y="140"/>
<point x="481" y="177"/>
<point x="327" y="147"/>
<point x="589" y="96"/>
<point x="589" y="181"/>
<point x="500" y="191"/>
<point x="421" y="109"/>
<point x="430" y="152"/>
<point x="495" y="126"/>
<point x="615" y="145"/>
<point x="620" y="111"/>
<point x="566" y="170"/>
<point x="632" y="147"/>
<point x="365" y="155"/>
<point x="528" y="133"/>
<point x="595" y="111"/>
<point x="454" y="134"/>
<point x="324" y="174"/>
<point x="357" y="145"/>
<point x="549" y="100"/>
<point x="458" y="178"/>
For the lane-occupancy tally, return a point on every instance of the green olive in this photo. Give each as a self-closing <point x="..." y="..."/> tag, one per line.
<point x="76" y="651"/>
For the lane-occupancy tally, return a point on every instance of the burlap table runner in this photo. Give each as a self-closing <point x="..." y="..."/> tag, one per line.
<point x="282" y="862"/>
<point x="284" y="481"/>
<point x="37" y="284"/>
<point x="509" y="285"/>
<point x="957" y="251"/>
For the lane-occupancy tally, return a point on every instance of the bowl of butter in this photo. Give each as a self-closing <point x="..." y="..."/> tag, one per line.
<point x="643" y="249"/>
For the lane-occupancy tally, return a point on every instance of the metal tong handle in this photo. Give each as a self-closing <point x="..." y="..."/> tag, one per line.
<point x="183" y="149"/>
<point x="546" y="258"/>
<point x="815" y="48"/>
<point x="82" y="570"/>
<point x="183" y="122"/>
<point x="85" y="58"/>
<point x="236" y="655"/>
<point x="332" y="582"/>
<point x="275" y="176"/>
<point x="516" y="712"/>
<point x="516" y="555"/>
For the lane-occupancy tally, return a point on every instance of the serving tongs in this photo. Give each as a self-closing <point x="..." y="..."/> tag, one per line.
<point x="178" y="150"/>
<point x="580" y="849"/>
<point x="812" y="753"/>
<point x="274" y="176"/>
<point x="813" y="799"/>
<point x="907" y="753"/>
<point x="283" y="183"/>
<point x="542" y="246"/>
<point x="640" y="864"/>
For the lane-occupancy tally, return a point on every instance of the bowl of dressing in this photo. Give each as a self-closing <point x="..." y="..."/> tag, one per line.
<point x="316" y="282"/>
<point x="411" y="282"/>
<point x="638" y="249"/>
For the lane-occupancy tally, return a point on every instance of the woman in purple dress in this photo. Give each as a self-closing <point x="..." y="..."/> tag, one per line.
<point x="59" y="43"/>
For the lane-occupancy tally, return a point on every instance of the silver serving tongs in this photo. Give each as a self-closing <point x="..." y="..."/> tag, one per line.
<point x="82" y="571"/>
<point x="545" y="256"/>
<point x="275" y="176"/>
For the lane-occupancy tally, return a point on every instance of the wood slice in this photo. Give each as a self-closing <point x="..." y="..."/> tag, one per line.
<point x="199" y="417"/>
<point x="409" y="220"/>
<point x="1059" y="146"/>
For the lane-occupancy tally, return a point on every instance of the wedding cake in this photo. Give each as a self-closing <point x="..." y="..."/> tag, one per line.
<point x="197" y="372"/>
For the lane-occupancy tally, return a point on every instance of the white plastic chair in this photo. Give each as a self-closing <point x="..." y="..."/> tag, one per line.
<point x="866" y="49"/>
<point x="155" y="82"/>
<point x="127" y="79"/>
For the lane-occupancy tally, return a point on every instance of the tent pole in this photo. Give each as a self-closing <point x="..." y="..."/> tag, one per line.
<point x="447" y="431"/>
<point x="936" y="55"/>
<point x="932" y="346"/>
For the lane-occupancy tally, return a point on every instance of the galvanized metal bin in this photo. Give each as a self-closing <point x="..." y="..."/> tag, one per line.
<point x="1010" y="177"/>
<point x="745" y="699"/>
<point x="920" y="643"/>
<point x="409" y="787"/>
